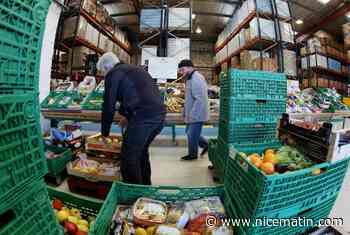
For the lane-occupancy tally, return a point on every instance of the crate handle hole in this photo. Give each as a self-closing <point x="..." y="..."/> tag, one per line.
<point x="170" y="191"/>
<point x="304" y="212"/>
<point x="261" y="101"/>
<point x="6" y="218"/>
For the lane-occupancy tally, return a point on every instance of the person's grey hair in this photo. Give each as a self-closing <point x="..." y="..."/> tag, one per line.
<point x="107" y="61"/>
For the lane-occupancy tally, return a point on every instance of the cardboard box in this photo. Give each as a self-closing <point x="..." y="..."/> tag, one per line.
<point x="70" y="27"/>
<point x="267" y="29"/>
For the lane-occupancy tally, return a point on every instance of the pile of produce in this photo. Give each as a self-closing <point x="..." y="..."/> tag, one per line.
<point x="93" y="167"/>
<point x="71" y="219"/>
<point x="94" y="100"/>
<point x="283" y="160"/>
<point x="107" y="144"/>
<point x="174" y="104"/>
<point x="321" y="100"/>
<point x="153" y="217"/>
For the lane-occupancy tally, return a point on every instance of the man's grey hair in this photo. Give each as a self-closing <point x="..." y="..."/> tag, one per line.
<point x="107" y="61"/>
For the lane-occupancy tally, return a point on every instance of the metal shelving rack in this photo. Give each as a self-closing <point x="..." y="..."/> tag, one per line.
<point x="274" y="47"/>
<point x="64" y="45"/>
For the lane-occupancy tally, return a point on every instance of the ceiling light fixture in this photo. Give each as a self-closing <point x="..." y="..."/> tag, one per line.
<point x="193" y="16"/>
<point x="324" y="1"/>
<point x="299" y="21"/>
<point x="198" y="30"/>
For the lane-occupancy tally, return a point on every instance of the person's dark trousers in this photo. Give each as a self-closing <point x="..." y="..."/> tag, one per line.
<point x="135" y="162"/>
<point x="194" y="138"/>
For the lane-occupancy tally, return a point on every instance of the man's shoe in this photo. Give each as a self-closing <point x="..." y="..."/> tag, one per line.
<point x="188" y="158"/>
<point x="211" y="167"/>
<point x="204" y="151"/>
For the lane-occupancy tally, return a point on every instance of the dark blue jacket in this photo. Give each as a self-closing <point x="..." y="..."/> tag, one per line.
<point x="137" y="93"/>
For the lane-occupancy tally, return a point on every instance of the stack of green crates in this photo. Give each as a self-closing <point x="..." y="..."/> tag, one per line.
<point x="25" y="207"/>
<point x="251" y="103"/>
<point x="254" y="196"/>
<point x="95" y="99"/>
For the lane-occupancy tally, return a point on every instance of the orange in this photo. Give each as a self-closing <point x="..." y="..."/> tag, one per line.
<point x="255" y="160"/>
<point x="268" y="168"/>
<point x="269" y="151"/>
<point x="270" y="157"/>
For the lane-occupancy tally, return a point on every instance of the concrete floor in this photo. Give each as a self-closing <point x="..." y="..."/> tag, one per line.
<point x="167" y="169"/>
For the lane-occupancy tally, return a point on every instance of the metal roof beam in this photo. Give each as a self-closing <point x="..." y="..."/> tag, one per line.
<point x="339" y="12"/>
<point x="212" y="14"/>
<point x="123" y="14"/>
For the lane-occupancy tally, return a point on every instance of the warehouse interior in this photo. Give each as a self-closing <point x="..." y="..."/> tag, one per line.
<point x="277" y="90"/>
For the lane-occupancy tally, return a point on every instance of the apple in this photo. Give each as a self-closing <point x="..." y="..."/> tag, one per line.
<point x="73" y="219"/>
<point x="70" y="227"/>
<point x="83" y="222"/>
<point x="83" y="228"/>
<point x="62" y="215"/>
<point x="75" y="212"/>
<point x="57" y="204"/>
<point x="81" y="233"/>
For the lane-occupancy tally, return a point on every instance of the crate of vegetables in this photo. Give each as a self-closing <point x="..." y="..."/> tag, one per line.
<point x="279" y="182"/>
<point x="160" y="210"/>
<point x="57" y="159"/>
<point x="75" y="213"/>
<point x="109" y="144"/>
<point x="318" y="141"/>
<point x="94" y="100"/>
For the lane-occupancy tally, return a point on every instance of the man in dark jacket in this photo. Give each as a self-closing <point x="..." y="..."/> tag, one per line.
<point x="143" y="113"/>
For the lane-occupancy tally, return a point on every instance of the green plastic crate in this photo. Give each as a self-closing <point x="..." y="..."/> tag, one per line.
<point x="67" y="99"/>
<point x="29" y="212"/>
<point x="89" y="105"/>
<point x="219" y="159"/>
<point x="127" y="194"/>
<point x="232" y="132"/>
<point x="57" y="165"/>
<point x="248" y="111"/>
<point x="258" y="85"/>
<point x="213" y="143"/>
<point x="21" y="29"/>
<point x="279" y="195"/>
<point x="55" y="97"/>
<point x="87" y="206"/>
<point x="315" y="213"/>
<point x="22" y="156"/>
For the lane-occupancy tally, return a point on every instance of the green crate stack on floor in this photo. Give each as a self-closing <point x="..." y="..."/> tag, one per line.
<point x="254" y="196"/>
<point x="25" y="207"/>
<point x="251" y="103"/>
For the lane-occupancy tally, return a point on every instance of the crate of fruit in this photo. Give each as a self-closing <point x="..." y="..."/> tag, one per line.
<point x="271" y="182"/>
<point x="75" y="213"/>
<point x="184" y="208"/>
<point x="57" y="159"/>
<point x="319" y="141"/>
<point x="109" y="144"/>
<point x="95" y="169"/>
<point x="93" y="101"/>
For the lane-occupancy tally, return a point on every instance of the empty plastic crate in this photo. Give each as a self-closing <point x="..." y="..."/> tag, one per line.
<point x="259" y="85"/>
<point x="232" y="132"/>
<point x="29" y="212"/>
<point x="279" y="195"/>
<point x="21" y="30"/>
<point x="21" y="148"/>
<point x="218" y="158"/>
<point x="248" y="111"/>
<point x="58" y="164"/>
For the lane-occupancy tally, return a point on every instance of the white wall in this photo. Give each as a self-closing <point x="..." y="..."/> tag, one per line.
<point x="47" y="51"/>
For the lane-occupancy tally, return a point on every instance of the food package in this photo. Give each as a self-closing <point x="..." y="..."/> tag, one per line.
<point x="96" y="142"/>
<point x="177" y="215"/>
<point x="233" y="45"/>
<point x="122" y="213"/>
<point x="167" y="230"/>
<point x="209" y="205"/>
<point x="87" y="85"/>
<point x="267" y="29"/>
<point x="290" y="62"/>
<point x="282" y="8"/>
<point x="149" y="212"/>
<point x="287" y="32"/>
<point x="247" y="58"/>
<point x="265" y="64"/>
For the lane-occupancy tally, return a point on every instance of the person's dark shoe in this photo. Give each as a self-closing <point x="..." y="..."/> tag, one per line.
<point x="211" y="167"/>
<point x="189" y="158"/>
<point x="204" y="151"/>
